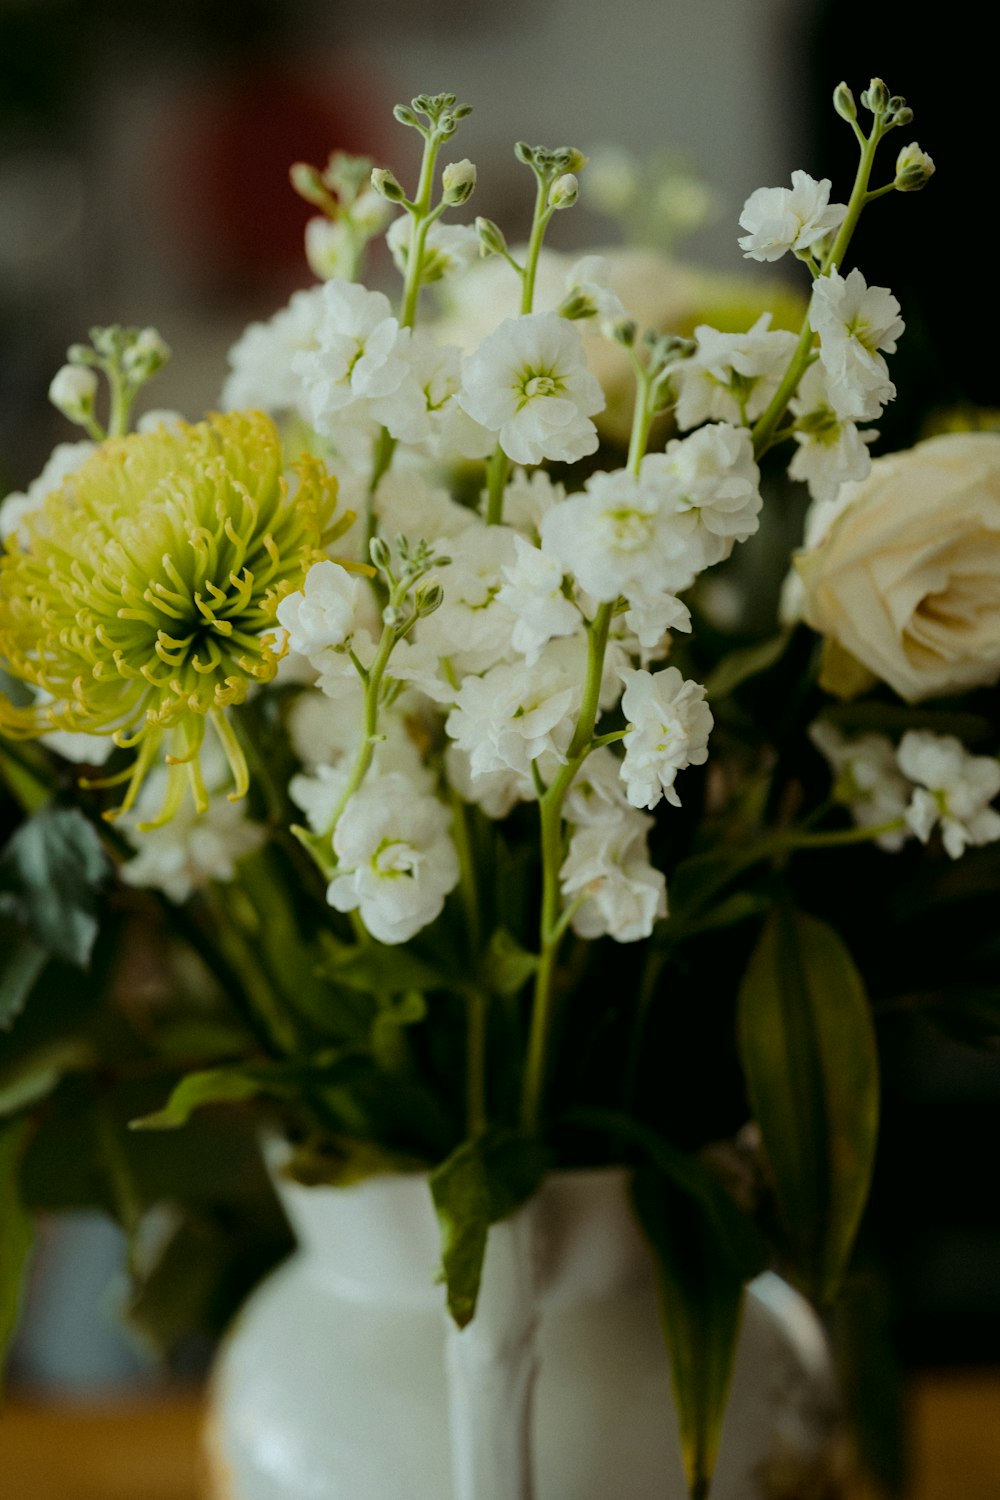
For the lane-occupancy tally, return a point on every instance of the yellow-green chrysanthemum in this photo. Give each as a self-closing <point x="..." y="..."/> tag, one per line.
<point x="142" y="605"/>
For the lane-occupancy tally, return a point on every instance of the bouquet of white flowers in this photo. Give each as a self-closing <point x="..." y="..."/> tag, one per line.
<point x="402" y="671"/>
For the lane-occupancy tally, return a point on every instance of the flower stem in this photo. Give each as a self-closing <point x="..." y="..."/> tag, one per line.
<point x="497" y="473"/>
<point x="766" y="424"/>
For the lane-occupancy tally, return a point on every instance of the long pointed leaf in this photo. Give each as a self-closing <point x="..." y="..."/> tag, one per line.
<point x="811" y="1066"/>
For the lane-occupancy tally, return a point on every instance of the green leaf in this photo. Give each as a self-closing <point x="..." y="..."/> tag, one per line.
<point x="22" y="963"/>
<point x="15" y="1227"/>
<point x="810" y="1060"/>
<point x="377" y="969"/>
<point x="738" y="666"/>
<point x="481" y="1182"/>
<point x="507" y="966"/>
<point x="701" y="1300"/>
<point x="49" y="874"/>
<point x="33" y="1077"/>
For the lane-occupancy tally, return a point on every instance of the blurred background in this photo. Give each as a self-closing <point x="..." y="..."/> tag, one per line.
<point x="144" y="154"/>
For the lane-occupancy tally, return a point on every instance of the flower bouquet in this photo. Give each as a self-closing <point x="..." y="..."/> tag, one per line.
<point x="386" y="731"/>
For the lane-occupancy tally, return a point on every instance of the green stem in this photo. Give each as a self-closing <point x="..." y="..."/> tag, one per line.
<point x="121" y="402"/>
<point x="366" y="750"/>
<point x="539" y="224"/>
<point x="497" y="474"/>
<point x="477" y="1117"/>
<point x="384" y="450"/>
<point x="769" y="419"/>
<point x="422" y="220"/>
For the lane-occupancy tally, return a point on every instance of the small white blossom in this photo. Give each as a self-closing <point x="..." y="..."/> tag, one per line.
<point x="515" y="714"/>
<point x="732" y="374"/>
<point x="323" y="614"/>
<point x="72" y="391"/>
<point x="669" y="725"/>
<point x="448" y="248"/>
<point x="615" y="537"/>
<point x="597" y="797"/>
<point x="425" y="410"/>
<point x="588" y="290"/>
<point x="954" y="789"/>
<point x="831" y="449"/>
<point x="867" y="779"/>
<point x="528" y="382"/>
<point x="396" y="861"/>
<point x="714" y="484"/>
<point x="261" y="361"/>
<point x="795" y="218"/>
<point x="63" y="461"/>
<point x="496" y="792"/>
<point x="854" y="322"/>
<point x="193" y="848"/>
<point x="360" y="354"/>
<point x="529" y="497"/>
<point x="533" y="593"/>
<point x="473" y="626"/>
<point x="608" y="866"/>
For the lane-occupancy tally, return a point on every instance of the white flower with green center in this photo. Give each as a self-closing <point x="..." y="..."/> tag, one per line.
<point x="867" y="779"/>
<point x="143" y="605"/>
<point x="668" y="729"/>
<point x="359" y="354"/>
<point x="448" y="248"/>
<point x="396" y="862"/>
<point x="831" y="449"/>
<point x="795" y="218"/>
<point x="515" y="714"/>
<point x="855" y="322"/>
<point x="528" y="382"/>
<point x="732" y="376"/>
<point x="954" y="789"/>
<point x="261" y="373"/>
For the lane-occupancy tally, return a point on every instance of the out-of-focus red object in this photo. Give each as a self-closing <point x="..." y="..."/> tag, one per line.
<point x="223" y="199"/>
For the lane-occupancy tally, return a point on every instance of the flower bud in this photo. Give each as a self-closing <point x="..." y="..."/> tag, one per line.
<point x="524" y="153"/>
<point x="378" y="551"/>
<point x="623" y="332"/>
<point x="428" y="599"/>
<point x="385" y="184"/>
<point x="569" y="159"/>
<point x="72" y="392"/>
<point x="903" y="116"/>
<point x="914" y="169"/>
<point x="843" y="102"/>
<point x="458" y="181"/>
<point x="405" y="115"/>
<point x="491" y="239"/>
<point x="308" y="183"/>
<point x="145" y="354"/>
<point x="876" y="97"/>
<point x="564" y="191"/>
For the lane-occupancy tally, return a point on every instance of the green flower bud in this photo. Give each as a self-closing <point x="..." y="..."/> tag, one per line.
<point x="624" y="331"/>
<point x="903" y="116"/>
<point x="308" y="183"/>
<point x="568" y="159"/>
<point x="405" y="116"/>
<point x="843" y="102"/>
<point x="524" y="153"/>
<point x="876" y="97"/>
<point x="459" y="182"/>
<point x="387" y="186"/>
<point x="378" y="551"/>
<point x="564" y="191"/>
<point x="914" y="169"/>
<point x="491" y="238"/>
<point x="429" y="599"/>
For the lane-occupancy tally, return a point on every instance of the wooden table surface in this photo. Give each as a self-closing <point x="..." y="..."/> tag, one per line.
<point x="150" y="1450"/>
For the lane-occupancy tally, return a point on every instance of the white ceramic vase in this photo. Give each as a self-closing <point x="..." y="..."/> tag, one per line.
<point x="344" y="1380"/>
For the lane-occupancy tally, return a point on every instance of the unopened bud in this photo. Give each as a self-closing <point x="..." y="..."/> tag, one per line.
<point x="308" y="183"/>
<point x="623" y="332"/>
<point x="404" y="114"/>
<point x="491" y="238"/>
<point x="146" y="354"/>
<point x="524" y="153"/>
<point x="903" y="116"/>
<point x="843" y="102"/>
<point x="876" y="97"/>
<point x="385" y="184"/>
<point x="378" y="551"/>
<point x="569" y="159"/>
<point x="564" y="191"/>
<point x="429" y="599"/>
<point x="393" y="616"/>
<point x="914" y="169"/>
<point x="72" y="392"/>
<point x="459" y="182"/>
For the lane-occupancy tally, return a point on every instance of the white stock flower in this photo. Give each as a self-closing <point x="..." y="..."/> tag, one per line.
<point x="714" y="483"/>
<point x="954" y="789"/>
<point x="472" y="628"/>
<point x="528" y="382"/>
<point x="587" y="285"/>
<point x="533" y="593"/>
<point x="854" y="322"/>
<point x="615" y="537"/>
<point x="514" y="714"/>
<point x="608" y="867"/>
<point x="63" y="461"/>
<point x="262" y="373"/>
<point x="193" y="848"/>
<point x="323" y="614"/>
<point x="396" y="861"/>
<point x="496" y="792"/>
<point x="359" y="355"/>
<point x="448" y="248"/>
<point x="730" y="374"/>
<point x="831" y="449"/>
<point x="795" y="218"/>
<point x="596" y="796"/>
<point x="425" y="410"/>
<point x="866" y="779"/>
<point x="668" y="727"/>
<point x="529" y="497"/>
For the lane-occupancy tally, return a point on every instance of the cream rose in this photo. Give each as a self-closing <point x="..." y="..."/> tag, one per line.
<point x="906" y="578"/>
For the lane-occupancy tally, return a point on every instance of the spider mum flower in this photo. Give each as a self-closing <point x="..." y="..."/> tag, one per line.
<point x="141" y="600"/>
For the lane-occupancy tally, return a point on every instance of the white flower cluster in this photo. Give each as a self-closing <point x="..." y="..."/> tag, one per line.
<point x="927" y="782"/>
